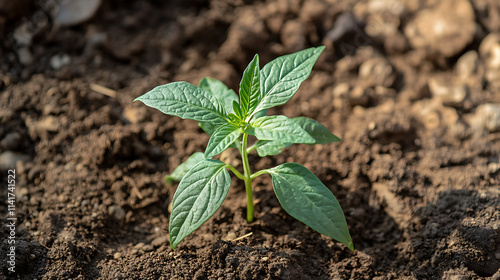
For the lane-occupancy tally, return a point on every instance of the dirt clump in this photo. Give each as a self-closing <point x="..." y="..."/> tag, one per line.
<point x="417" y="171"/>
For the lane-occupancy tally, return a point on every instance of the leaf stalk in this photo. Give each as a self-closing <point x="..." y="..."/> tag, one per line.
<point x="236" y="172"/>
<point x="258" y="173"/>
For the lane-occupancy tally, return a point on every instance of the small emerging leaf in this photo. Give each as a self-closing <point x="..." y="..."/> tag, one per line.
<point x="222" y="138"/>
<point x="220" y="91"/>
<point x="305" y="198"/>
<point x="186" y="101"/>
<point x="237" y="110"/>
<point x="184" y="167"/>
<point x="279" y="128"/>
<point x="250" y="87"/>
<point x="198" y="197"/>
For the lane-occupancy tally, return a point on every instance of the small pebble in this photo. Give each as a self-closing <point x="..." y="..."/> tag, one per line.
<point x="376" y="72"/>
<point x="62" y="198"/>
<point x="489" y="49"/>
<point x="293" y="35"/>
<point x="493" y="167"/>
<point x="116" y="212"/>
<point x="134" y="114"/>
<point x="11" y="141"/>
<point x="47" y="124"/>
<point x="128" y="216"/>
<point x="341" y="90"/>
<point x="147" y="248"/>
<point x="231" y="236"/>
<point x="74" y="12"/>
<point x="59" y="61"/>
<point x="157" y="242"/>
<point x="467" y="64"/>
<point x="359" y="96"/>
<point x="25" y="56"/>
<point x="489" y="114"/>
<point x="8" y="159"/>
<point x="448" y="91"/>
<point x="345" y="23"/>
<point x="445" y="29"/>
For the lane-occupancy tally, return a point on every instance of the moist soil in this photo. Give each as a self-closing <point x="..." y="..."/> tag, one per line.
<point x="417" y="180"/>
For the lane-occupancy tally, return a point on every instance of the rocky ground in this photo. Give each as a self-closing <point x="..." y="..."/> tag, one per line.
<point x="411" y="87"/>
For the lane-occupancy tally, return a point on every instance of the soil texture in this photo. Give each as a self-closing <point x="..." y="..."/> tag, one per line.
<point x="411" y="87"/>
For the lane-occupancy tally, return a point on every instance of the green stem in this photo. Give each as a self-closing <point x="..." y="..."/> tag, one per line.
<point x="247" y="177"/>
<point x="236" y="172"/>
<point x="258" y="173"/>
<point x="252" y="148"/>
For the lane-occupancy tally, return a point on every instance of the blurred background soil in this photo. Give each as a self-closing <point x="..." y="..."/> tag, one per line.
<point x="411" y="86"/>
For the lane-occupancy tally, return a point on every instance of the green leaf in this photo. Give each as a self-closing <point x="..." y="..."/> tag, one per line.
<point x="305" y="198"/>
<point x="317" y="131"/>
<point x="186" y="101"/>
<point x="250" y="87"/>
<point x="208" y="128"/>
<point x="259" y="114"/>
<point x="269" y="147"/>
<point x="199" y="195"/>
<point x="279" y="128"/>
<point x="320" y="133"/>
<point x="280" y="78"/>
<point x="222" y="138"/>
<point x="237" y="110"/>
<point x="184" y="167"/>
<point x="222" y="93"/>
<point x="219" y="90"/>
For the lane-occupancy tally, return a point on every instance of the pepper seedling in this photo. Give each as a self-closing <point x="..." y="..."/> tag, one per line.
<point x="230" y="120"/>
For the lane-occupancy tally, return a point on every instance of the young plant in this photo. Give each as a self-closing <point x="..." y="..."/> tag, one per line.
<point x="230" y="120"/>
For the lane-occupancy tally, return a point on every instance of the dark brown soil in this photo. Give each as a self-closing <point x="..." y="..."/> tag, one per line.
<point x="416" y="174"/>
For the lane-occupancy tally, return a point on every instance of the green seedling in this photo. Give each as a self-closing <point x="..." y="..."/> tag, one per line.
<point x="230" y="120"/>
